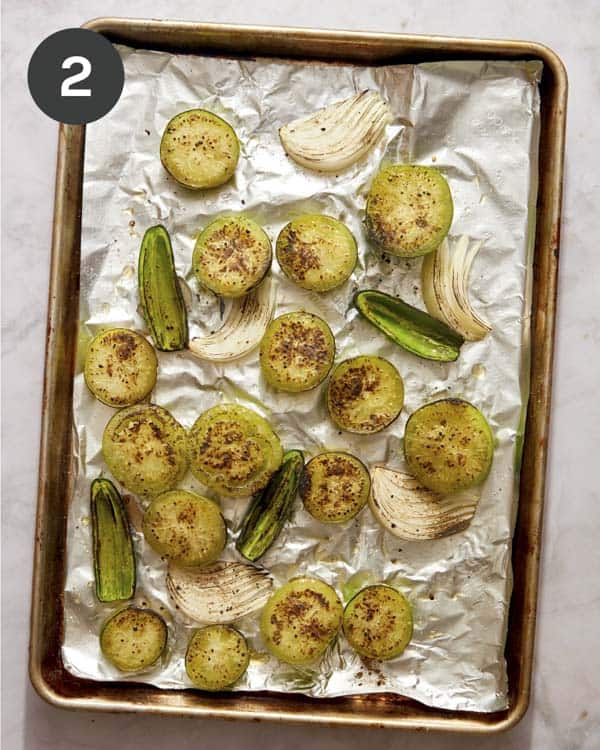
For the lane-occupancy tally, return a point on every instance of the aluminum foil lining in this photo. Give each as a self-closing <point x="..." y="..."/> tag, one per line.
<point x="478" y="123"/>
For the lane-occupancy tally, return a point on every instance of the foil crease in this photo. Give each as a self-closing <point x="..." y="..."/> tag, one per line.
<point x="477" y="122"/>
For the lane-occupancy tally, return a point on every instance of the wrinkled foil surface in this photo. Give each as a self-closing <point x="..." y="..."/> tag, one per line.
<point x="478" y="123"/>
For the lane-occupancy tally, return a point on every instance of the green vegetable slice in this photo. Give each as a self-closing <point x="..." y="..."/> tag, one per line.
<point x="409" y="209"/>
<point x="365" y="394"/>
<point x="297" y="352"/>
<point x="234" y="450"/>
<point x="120" y="367"/>
<point x="378" y="622"/>
<point x="334" y="486"/>
<point x="160" y="293"/>
<point x="300" y="620"/>
<point x="133" y="639"/>
<point x="199" y="149"/>
<point x="186" y="528"/>
<point x="232" y="256"/>
<point x="448" y="445"/>
<point x="145" y="449"/>
<point x="410" y="328"/>
<point x="216" y="657"/>
<point x="317" y="252"/>
<point x="114" y="561"/>
<point x="270" y="509"/>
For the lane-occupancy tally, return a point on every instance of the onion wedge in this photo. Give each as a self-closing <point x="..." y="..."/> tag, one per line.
<point x="337" y="136"/>
<point x="410" y="511"/>
<point x="243" y="330"/>
<point x="445" y="279"/>
<point x="219" y="593"/>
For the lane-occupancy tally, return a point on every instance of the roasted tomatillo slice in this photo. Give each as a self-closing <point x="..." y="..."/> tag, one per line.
<point x="365" y="394"/>
<point x="145" y="449"/>
<point x="297" y="352"/>
<point x="334" y="486"/>
<point x="216" y="657"/>
<point x="133" y="639"/>
<point x="300" y="620"/>
<point x="448" y="445"/>
<point x="120" y="367"/>
<point x="409" y="209"/>
<point x="234" y="450"/>
<point x="232" y="256"/>
<point x="184" y="527"/>
<point x="317" y="252"/>
<point x="199" y="149"/>
<point x="378" y="622"/>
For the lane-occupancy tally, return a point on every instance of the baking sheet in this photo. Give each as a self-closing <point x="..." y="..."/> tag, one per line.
<point x="476" y="121"/>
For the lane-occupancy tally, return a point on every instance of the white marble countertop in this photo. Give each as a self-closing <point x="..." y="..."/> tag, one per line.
<point x="565" y="711"/>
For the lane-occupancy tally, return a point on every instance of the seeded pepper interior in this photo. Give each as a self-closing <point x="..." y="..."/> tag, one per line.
<point x="234" y="451"/>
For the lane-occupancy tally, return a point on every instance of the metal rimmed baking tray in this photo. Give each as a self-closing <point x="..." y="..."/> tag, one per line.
<point x="48" y="674"/>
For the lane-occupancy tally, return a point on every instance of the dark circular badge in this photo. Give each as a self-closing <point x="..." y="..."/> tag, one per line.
<point x="75" y="76"/>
